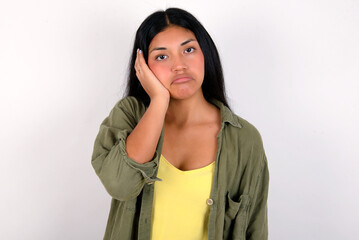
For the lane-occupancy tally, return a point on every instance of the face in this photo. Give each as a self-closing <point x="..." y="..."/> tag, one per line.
<point x="176" y="59"/>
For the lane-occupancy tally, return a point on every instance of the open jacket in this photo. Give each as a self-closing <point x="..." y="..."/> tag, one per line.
<point x="238" y="199"/>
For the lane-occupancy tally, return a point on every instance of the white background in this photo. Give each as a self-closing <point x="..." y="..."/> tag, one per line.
<point x="291" y="69"/>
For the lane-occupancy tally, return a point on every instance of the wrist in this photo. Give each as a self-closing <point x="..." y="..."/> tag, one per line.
<point x="160" y="101"/>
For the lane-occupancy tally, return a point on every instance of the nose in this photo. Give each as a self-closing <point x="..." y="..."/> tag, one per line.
<point x="178" y="63"/>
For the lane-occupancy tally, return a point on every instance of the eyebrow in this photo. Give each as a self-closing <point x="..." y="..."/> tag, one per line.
<point x="163" y="48"/>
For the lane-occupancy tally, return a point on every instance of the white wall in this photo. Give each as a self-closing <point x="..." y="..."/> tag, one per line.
<point x="291" y="68"/>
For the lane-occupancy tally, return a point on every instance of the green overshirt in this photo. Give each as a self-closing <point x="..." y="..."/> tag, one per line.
<point x="238" y="200"/>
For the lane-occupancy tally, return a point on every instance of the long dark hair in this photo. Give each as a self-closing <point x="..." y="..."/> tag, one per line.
<point x="213" y="82"/>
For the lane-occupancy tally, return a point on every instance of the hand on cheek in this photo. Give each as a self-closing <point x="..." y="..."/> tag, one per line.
<point x="153" y="87"/>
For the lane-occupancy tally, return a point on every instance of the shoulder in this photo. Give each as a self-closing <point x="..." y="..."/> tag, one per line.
<point x="247" y="138"/>
<point x="130" y="106"/>
<point x="130" y="103"/>
<point x="248" y="130"/>
<point x="238" y="125"/>
<point x="249" y="145"/>
<point x="242" y="128"/>
<point x="126" y="110"/>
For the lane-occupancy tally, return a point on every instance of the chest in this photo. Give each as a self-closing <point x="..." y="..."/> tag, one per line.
<point x="190" y="147"/>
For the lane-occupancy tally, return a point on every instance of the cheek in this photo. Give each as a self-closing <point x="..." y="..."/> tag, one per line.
<point x="159" y="70"/>
<point x="198" y="63"/>
<point x="201" y="61"/>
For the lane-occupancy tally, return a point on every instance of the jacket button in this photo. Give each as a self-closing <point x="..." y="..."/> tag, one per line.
<point x="209" y="202"/>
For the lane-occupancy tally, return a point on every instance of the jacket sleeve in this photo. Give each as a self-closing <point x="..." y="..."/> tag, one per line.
<point x="122" y="177"/>
<point x="258" y="218"/>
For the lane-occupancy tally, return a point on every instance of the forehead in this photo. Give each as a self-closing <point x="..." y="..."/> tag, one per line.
<point x="173" y="35"/>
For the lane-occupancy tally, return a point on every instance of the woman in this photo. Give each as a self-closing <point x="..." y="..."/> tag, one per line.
<point x="175" y="159"/>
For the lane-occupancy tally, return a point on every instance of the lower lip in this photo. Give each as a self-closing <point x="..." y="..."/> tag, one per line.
<point x="181" y="80"/>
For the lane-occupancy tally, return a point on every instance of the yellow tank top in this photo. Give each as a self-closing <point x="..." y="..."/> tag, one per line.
<point x="180" y="203"/>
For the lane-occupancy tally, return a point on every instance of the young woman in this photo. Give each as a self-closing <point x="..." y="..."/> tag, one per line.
<point x="175" y="159"/>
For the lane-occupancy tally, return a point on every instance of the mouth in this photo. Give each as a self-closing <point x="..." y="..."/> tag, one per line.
<point x="182" y="79"/>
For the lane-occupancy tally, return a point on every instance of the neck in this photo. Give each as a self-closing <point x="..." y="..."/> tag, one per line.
<point x="188" y="111"/>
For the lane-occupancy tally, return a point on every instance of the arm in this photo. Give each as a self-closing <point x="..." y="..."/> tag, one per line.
<point x="125" y="156"/>
<point x="258" y="218"/>
<point x="122" y="176"/>
<point x="148" y="130"/>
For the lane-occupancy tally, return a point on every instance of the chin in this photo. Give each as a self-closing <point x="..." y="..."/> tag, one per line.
<point x="184" y="94"/>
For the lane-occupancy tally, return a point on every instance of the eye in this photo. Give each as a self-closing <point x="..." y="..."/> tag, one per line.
<point x="189" y="50"/>
<point x="161" y="57"/>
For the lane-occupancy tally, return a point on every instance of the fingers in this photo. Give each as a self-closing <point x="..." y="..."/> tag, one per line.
<point x="137" y="64"/>
<point x="150" y="83"/>
<point x="140" y="65"/>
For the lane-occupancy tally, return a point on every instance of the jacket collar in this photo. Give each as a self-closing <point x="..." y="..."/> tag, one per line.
<point x="226" y="114"/>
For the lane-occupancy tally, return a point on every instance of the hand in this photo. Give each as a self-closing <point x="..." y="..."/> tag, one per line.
<point x="153" y="87"/>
